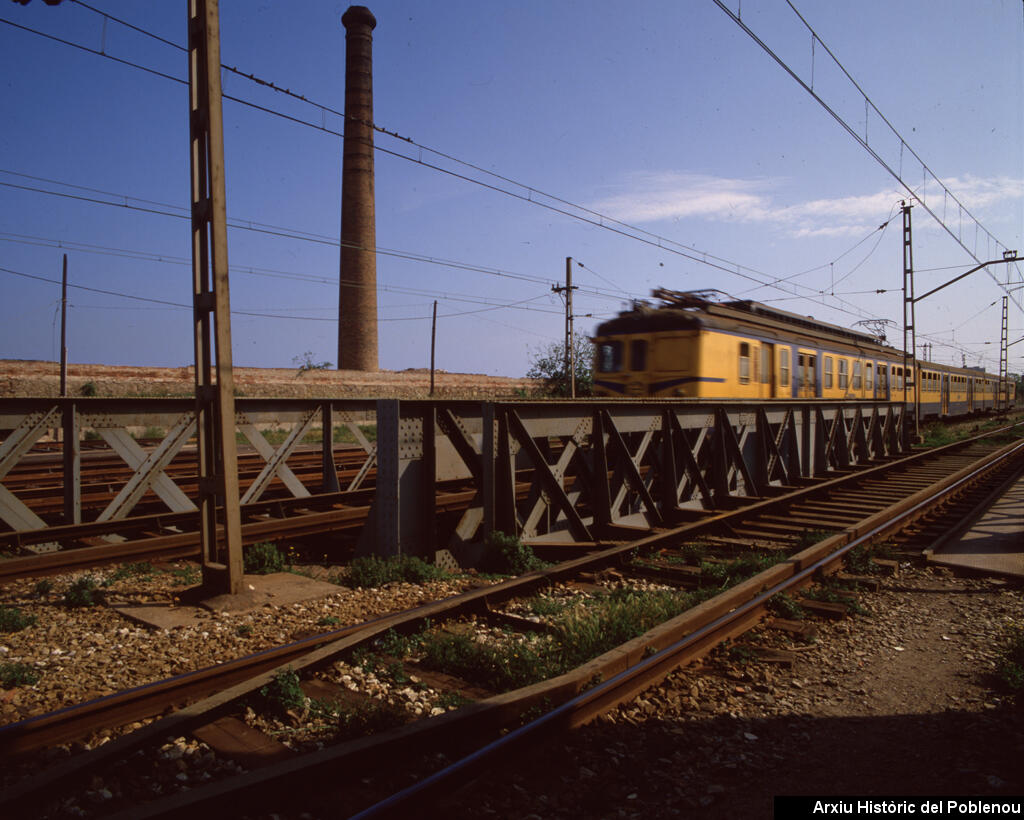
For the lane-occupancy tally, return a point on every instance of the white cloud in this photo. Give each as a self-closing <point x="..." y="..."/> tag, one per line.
<point x="657" y="197"/>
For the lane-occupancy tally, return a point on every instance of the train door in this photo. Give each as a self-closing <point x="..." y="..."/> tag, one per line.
<point x="806" y="367"/>
<point x="944" y="399"/>
<point x="970" y="394"/>
<point x="767" y="371"/>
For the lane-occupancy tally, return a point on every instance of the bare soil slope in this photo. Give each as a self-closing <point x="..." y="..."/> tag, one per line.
<point x="42" y="379"/>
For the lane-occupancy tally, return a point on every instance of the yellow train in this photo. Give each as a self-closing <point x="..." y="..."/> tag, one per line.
<point x="690" y="346"/>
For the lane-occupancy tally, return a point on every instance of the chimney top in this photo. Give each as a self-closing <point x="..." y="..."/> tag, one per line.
<point x="357" y="15"/>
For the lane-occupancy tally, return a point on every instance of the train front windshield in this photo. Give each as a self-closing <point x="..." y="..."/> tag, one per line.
<point x="609" y="357"/>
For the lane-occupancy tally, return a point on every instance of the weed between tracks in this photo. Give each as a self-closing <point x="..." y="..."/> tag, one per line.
<point x="14" y="674"/>
<point x="1010" y="668"/>
<point x="13" y="619"/>
<point x="371" y="571"/>
<point x="500" y="660"/>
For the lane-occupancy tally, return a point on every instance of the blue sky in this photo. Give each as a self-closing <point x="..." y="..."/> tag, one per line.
<point x="665" y="116"/>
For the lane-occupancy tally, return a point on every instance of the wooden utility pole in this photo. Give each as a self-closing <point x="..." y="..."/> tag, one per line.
<point x="64" y="329"/>
<point x="211" y="309"/>
<point x="433" y="337"/>
<point x="570" y="353"/>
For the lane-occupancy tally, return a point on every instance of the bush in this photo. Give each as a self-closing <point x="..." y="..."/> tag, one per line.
<point x="548" y="366"/>
<point x="739" y="569"/>
<point x="507" y="555"/>
<point x="263" y="558"/>
<point x="1010" y="669"/>
<point x="82" y="592"/>
<point x="786" y="606"/>
<point x="17" y="674"/>
<point x="284" y="693"/>
<point x="13" y="619"/>
<point x="372" y="571"/>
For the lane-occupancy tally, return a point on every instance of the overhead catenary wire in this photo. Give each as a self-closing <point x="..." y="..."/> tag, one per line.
<point x="864" y="141"/>
<point x="662" y="242"/>
<point x="489" y="306"/>
<point x="531" y="194"/>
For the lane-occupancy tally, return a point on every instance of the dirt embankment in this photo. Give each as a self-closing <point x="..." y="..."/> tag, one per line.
<point x="42" y="379"/>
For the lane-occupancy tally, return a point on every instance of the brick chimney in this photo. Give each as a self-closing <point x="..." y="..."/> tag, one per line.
<point x="357" y="306"/>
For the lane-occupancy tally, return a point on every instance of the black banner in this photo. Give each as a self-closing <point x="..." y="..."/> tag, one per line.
<point x="799" y="808"/>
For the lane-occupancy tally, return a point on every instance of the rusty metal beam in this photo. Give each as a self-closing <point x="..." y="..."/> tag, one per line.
<point x="211" y="305"/>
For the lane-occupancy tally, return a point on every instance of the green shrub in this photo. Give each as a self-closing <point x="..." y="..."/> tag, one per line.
<point x="141" y="569"/>
<point x="17" y="674"/>
<point x="810" y="537"/>
<point x="372" y="571"/>
<point x="497" y="668"/>
<point x="739" y="569"/>
<point x="858" y="560"/>
<point x="544" y="606"/>
<point x="13" y="619"/>
<point x="1010" y="669"/>
<point x="785" y="606"/>
<point x="263" y="558"/>
<point x="283" y="692"/>
<point x="360" y="721"/>
<point x="83" y="592"/>
<point x="43" y="587"/>
<point x="585" y="632"/>
<point x="507" y="555"/>
<point x="186" y="576"/>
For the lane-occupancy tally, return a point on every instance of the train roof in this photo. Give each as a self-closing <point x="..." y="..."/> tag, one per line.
<point x="690" y="310"/>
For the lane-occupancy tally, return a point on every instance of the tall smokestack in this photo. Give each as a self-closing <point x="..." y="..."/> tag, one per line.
<point x="357" y="308"/>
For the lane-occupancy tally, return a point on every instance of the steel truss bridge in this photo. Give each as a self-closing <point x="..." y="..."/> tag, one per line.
<point x="551" y="472"/>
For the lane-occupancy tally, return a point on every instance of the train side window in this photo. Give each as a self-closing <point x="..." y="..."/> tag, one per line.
<point x="638" y="354"/>
<point x="869" y="376"/>
<point x="784" y="367"/>
<point x="744" y="363"/>
<point x="828" y="372"/>
<point x="856" y="375"/>
<point x="609" y="357"/>
<point x="843" y="375"/>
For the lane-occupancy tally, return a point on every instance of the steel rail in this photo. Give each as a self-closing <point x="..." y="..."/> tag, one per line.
<point x="609" y="694"/>
<point x="480" y="720"/>
<point x="201" y="712"/>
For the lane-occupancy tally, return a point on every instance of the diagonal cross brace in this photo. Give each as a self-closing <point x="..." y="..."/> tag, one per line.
<point x="734" y="452"/>
<point x="548" y="482"/>
<point x="13" y="510"/>
<point x="24" y="436"/>
<point x="276" y="458"/>
<point x="691" y="465"/>
<point x="149" y="469"/>
<point x="773" y="443"/>
<point x="629" y="467"/>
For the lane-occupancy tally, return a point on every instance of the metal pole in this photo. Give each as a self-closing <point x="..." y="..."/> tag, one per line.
<point x="433" y="337"/>
<point x="909" y="323"/>
<point x="215" y="400"/>
<point x="64" y="329"/>
<point x="1003" y="398"/>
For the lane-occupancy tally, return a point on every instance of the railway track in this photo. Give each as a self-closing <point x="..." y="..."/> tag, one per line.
<point x="37" y="481"/>
<point x="730" y="566"/>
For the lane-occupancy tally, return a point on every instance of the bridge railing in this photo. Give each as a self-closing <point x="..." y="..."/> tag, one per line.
<point x="590" y="470"/>
<point x="546" y="471"/>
